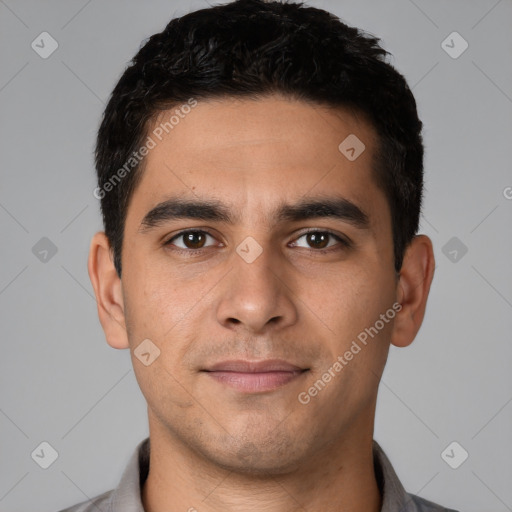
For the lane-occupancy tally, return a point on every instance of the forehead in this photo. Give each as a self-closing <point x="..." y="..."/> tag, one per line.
<point x="254" y="154"/>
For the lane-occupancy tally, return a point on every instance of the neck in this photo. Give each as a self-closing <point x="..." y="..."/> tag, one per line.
<point x="340" y="478"/>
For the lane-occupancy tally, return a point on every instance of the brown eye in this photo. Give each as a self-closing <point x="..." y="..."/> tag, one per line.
<point x="321" y="241"/>
<point x="318" y="240"/>
<point x="192" y="240"/>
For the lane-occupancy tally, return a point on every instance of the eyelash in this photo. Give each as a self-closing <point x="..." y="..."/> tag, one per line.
<point x="345" y="243"/>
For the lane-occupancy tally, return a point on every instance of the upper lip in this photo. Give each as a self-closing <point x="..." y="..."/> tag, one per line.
<point x="244" y="366"/>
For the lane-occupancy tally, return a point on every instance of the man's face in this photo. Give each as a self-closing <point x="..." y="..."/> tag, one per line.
<point x="258" y="287"/>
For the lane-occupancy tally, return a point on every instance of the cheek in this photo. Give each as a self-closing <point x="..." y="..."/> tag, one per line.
<point x="170" y="311"/>
<point x="350" y="300"/>
<point x="159" y="295"/>
<point x="160" y="311"/>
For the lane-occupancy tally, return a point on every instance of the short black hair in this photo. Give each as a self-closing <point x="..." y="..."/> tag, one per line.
<point x="251" y="49"/>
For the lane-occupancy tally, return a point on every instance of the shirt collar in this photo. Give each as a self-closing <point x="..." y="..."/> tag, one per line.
<point x="127" y="496"/>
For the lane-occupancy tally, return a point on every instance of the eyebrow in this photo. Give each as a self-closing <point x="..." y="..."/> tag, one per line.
<point x="176" y="208"/>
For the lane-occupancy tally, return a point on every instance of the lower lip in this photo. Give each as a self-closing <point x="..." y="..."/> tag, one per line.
<point x="255" y="382"/>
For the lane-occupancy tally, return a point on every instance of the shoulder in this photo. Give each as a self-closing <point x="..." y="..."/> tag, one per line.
<point x="100" y="503"/>
<point x="417" y="504"/>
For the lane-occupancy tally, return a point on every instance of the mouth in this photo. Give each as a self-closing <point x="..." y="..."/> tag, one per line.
<point x="254" y="376"/>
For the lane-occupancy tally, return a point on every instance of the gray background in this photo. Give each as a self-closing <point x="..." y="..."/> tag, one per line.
<point x="59" y="380"/>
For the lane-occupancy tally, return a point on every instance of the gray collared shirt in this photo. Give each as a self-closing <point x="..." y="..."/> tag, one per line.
<point x="126" y="497"/>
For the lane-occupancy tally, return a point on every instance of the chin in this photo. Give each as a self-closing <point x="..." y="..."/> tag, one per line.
<point x="264" y="459"/>
<point x="263" y="467"/>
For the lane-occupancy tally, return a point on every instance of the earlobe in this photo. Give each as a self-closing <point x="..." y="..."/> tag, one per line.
<point x="413" y="288"/>
<point x="108" y="291"/>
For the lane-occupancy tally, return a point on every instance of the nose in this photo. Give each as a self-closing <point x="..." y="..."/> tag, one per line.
<point x="256" y="295"/>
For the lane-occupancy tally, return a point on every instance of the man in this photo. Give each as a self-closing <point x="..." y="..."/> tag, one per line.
<point x="260" y="170"/>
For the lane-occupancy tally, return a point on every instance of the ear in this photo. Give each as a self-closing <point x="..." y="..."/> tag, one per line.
<point x="108" y="290"/>
<point x="413" y="287"/>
